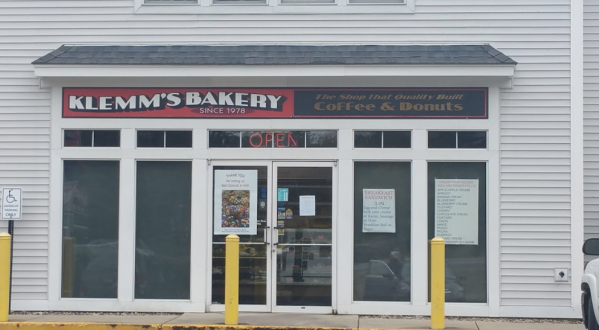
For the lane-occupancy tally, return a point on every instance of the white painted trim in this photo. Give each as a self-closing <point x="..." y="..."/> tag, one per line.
<point x="117" y="71"/>
<point x="577" y="147"/>
<point x="126" y="246"/>
<point x="199" y="234"/>
<point x="419" y="225"/>
<point x="493" y="208"/>
<point x="345" y="261"/>
<point x="55" y="202"/>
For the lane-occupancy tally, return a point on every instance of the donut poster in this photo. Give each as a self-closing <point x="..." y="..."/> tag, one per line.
<point x="235" y="202"/>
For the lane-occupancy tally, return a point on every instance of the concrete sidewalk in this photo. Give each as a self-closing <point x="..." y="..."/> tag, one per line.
<point x="254" y="321"/>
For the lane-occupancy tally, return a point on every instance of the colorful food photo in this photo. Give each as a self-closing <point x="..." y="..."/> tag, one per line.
<point x="235" y="209"/>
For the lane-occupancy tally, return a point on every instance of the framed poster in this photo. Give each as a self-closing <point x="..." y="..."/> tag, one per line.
<point x="235" y="202"/>
<point x="456" y="211"/>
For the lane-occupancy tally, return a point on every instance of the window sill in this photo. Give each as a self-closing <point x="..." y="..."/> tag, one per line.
<point x="261" y="9"/>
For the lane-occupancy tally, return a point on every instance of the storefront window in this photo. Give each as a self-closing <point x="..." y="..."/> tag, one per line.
<point x="382" y="215"/>
<point x="90" y="221"/>
<point x="457" y="208"/>
<point x="163" y="223"/>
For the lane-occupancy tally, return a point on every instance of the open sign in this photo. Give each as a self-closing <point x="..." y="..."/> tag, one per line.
<point x="273" y="139"/>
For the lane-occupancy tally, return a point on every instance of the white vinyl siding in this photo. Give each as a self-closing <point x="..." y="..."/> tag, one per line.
<point x="591" y="120"/>
<point x="534" y="122"/>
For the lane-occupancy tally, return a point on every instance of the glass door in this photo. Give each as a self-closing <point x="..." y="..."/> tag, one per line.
<point x="283" y="214"/>
<point x="240" y="199"/>
<point x="303" y="202"/>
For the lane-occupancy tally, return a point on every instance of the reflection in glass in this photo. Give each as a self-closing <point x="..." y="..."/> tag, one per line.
<point x="466" y="265"/>
<point x="162" y="226"/>
<point x="107" y="138"/>
<point x="252" y="251"/>
<point x="253" y="274"/>
<point x="178" y="139"/>
<point x="442" y="139"/>
<point x="321" y="139"/>
<point x="368" y="139"/>
<point x="150" y="139"/>
<point x="304" y="259"/>
<point x="90" y="222"/>
<point x="224" y="139"/>
<point x="473" y="139"/>
<point x="78" y="138"/>
<point x="382" y="260"/>
<point x="397" y="139"/>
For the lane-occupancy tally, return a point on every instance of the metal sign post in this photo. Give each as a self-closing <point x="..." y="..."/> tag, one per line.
<point x="11" y="211"/>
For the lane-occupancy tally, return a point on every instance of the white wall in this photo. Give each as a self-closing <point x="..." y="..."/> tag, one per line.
<point x="534" y="122"/>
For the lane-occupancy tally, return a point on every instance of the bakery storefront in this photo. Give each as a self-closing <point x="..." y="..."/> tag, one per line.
<point x="333" y="182"/>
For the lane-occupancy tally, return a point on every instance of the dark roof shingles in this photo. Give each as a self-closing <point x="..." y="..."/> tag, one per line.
<point x="276" y="55"/>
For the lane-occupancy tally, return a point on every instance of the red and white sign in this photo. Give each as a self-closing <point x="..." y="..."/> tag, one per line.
<point x="176" y="102"/>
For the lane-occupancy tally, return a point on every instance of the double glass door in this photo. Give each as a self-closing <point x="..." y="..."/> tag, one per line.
<point x="283" y="214"/>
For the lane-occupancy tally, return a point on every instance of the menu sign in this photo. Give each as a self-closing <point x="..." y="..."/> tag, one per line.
<point x="378" y="211"/>
<point x="275" y="102"/>
<point x="456" y="211"/>
<point x="235" y="202"/>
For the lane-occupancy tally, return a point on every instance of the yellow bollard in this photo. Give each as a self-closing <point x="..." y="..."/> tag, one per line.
<point x="437" y="283"/>
<point x="4" y="275"/>
<point x="232" y="280"/>
<point x="68" y="266"/>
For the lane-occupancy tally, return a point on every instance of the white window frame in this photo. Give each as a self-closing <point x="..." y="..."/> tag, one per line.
<point x="212" y="7"/>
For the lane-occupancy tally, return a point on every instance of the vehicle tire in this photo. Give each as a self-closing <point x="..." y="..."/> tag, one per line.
<point x="592" y="318"/>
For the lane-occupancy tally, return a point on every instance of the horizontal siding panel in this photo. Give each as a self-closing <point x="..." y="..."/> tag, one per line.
<point x="535" y="302"/>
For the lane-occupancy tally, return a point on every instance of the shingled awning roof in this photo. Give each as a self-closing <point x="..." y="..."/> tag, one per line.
<point x="277" y="55"/>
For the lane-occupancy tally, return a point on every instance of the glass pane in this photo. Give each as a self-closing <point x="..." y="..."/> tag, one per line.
<point x="78" y="138"/>
<point x="107" y="138"/>
<point x="321" y="139"/>
<point x="457" y="208"/>
<point x="150" y="139"/>
<point x="474" y="140"/>
<point x="368" y="139"/>
<point x="90" y="222"/>
<point x="442" y="139"/>
<point x="178" y="139"/>
<point x="382" y="238"/>
<point x="397" y="139"/>
<point x="223" y="139"/>
<point x="162" y="226"/>
<point x="252" y="250"/>
<point x="305" y="238"/>
<point x="253" y="273"/>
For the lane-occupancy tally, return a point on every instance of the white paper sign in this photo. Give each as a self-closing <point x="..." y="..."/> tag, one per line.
<point x="378" y="211"/>
<point x="307" y="206"/>
<point x="456" y="211"/>
<point x="235" y="202"/>
<point x="11" y="203"/>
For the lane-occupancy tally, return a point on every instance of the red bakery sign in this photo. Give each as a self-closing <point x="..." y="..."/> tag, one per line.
<point x="462" y="103"/>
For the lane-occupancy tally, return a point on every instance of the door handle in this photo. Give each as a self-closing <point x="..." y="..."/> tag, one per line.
<point x="266" y="235"/>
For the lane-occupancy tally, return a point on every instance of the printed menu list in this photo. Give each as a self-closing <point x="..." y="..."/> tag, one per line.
<point x="456" y="211"/>
<point x="378" y="214"/>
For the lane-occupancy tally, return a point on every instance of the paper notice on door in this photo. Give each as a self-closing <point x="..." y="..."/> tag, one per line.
<point x="307" y="206"/>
